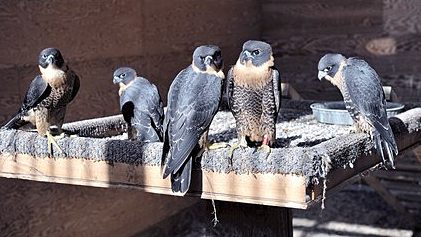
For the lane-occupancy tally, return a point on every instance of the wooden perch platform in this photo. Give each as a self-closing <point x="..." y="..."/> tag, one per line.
<point x="306" y="155"/>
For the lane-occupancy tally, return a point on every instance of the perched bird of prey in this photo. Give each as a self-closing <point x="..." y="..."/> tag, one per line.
<point x="364" y="98"/>
<point x="140" y="104"/>
<point x="253" y="91"/>
<point x="193" y="100"/>
<point x="48" y="95"/>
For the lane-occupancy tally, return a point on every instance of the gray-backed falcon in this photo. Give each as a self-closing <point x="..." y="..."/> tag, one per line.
<point x="253" y="91"/>
<point x="193" y="100"/>
<point x="140" y="104"/>
<point x="364" y="99"/>
<point x="47" y="97"/>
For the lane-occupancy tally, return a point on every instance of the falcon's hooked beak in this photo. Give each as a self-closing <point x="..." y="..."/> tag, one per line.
<point x="321" y="75"/>
<point x="208" y="60"/>
<point x="245" y="56"/>
<point x="116" y="80"/>
<point x="50" y="59"/>
<point x="213" y="63"/>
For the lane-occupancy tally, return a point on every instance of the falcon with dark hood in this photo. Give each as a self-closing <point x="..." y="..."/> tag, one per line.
<point x="364" y="98"/>
<point x="47" y="97"/>
<point x="253" y="91"/>
<point x="140" y="104"/>
<point x="193" y="100"/>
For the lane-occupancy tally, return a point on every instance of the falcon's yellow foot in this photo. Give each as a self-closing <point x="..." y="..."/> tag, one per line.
<point x="355" y="129"/>
<point x="52" y="140"/>
<point x="241" y="143"/>
<point x="213" y="146"/>
<point x="216" y="146"/>
<point x="265" y="148"/>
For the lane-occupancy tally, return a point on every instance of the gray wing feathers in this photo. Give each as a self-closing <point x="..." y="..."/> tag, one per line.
<point x="38" y="90"/>
<point x="229" y="87"/>
<point x="192" y="102"/>
<point x="141" y="106"/>
<point x="365" y="91"/>
<point x="276" y="80"/>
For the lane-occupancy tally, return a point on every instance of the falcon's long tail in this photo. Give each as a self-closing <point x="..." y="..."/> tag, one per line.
<point x="15" y="123"/>
<point x="384" y="140"/>
<point x="180" y="181"/>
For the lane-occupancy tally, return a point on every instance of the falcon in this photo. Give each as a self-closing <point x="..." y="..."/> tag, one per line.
<point x="253" y="91"/>
<point x="364" y="99"/>
<point x="47" y="97"/>
<point x="140" y="104"/>
<point x="193" y="100"/>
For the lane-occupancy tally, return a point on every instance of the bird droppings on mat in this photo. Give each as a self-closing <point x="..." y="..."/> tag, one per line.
<point x="303" y="146"/>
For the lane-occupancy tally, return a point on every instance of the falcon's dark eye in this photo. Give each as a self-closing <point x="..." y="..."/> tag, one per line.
<point x="44" y="56"/>
<point x="122" y="75"/>
<point x="328" y="68"/>
<point x="255" y="52"/>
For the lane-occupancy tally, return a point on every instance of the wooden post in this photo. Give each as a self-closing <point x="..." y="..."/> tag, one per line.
<point x="234" y="219"/>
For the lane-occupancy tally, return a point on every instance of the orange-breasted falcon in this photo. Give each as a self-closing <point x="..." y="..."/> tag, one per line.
<point x="140" y="104"/>
<point x="193" y="100"/>
<point x="364" y="98"/>
<point x="48" y="95"/>
<point x="253" y="91"/>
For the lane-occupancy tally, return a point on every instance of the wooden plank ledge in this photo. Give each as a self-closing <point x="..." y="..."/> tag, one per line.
<point x="251" y="179"/>
<point x="285" y="190"/>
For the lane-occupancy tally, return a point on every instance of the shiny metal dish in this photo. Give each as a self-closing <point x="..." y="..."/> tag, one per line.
<point x="334" y="112"/>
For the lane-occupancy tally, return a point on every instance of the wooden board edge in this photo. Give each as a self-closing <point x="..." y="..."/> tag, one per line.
<point x="261" y="189"/>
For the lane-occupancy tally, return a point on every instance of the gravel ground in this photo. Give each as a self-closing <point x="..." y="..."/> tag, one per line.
<point x="356" y="210"/>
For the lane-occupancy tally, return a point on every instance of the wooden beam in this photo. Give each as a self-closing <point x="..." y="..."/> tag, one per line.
<point x="407" y="137"/>
<point x="286" y="190"/>
<point x="388" y="197"/>
<point x="417" y="152"/>
<point x="234" y="219"/>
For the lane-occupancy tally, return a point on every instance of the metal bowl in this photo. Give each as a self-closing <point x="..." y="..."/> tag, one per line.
<point x="334" y="112"/>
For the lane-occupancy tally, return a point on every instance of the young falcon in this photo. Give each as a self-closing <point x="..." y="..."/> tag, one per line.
<point x="364" y="98"/>
<point x="193" y="100"/>
<point x="253" y="91"/>
<point x="47" y="96"/>
<point x="140" y="104"/>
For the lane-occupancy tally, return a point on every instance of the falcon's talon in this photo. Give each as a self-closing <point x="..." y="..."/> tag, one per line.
<point x="241" y="143"/>
<point x="216" y="146"/>
<point x="60" y="136"/>
<point x="52" y="140"/>
<point x="265" y="148"/>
